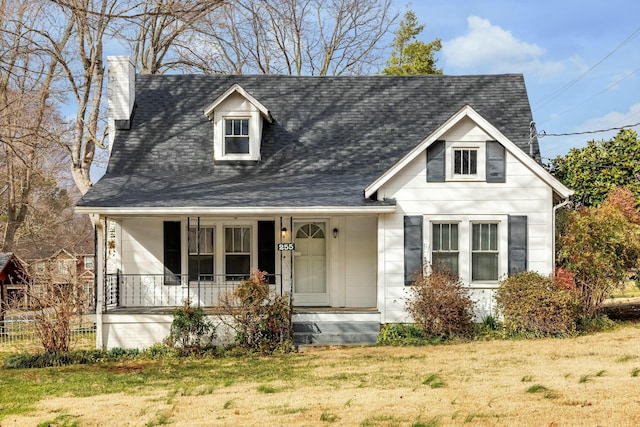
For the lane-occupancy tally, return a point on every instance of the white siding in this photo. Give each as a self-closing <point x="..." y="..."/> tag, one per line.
<point x="361" y="262"/>
<point x="142" y="246"/>
<point x="523" y="193"/>
<point x="144" y="330"/>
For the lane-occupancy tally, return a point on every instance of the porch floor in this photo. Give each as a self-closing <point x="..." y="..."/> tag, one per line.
<point x="214" y="310"/>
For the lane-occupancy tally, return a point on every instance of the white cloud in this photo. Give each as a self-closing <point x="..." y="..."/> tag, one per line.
<point x="613" y="119"/>
<point x="553" y="146"/>
<point x="490" y="48"/>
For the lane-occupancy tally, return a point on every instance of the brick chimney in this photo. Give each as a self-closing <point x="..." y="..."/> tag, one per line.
<point x="121" y="93"/>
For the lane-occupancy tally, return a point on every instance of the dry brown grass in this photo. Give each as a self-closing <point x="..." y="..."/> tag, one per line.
<point x="580" y="381"/>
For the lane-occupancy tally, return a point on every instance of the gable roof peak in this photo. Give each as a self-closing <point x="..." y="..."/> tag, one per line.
<point x="236" y="88"/>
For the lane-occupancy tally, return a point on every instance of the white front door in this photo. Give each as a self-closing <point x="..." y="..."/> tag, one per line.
<point x="310" y="263"/>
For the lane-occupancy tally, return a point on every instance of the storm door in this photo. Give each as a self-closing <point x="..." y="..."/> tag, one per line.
<point x="310" y="264"/>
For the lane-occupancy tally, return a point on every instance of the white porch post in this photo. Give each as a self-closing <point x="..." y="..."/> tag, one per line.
<point x="381" y="297"/>
<point x="100" y="272"/>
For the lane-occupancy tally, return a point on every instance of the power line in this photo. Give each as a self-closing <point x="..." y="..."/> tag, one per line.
<point x="557" y="93"/>
<point x="542" y="134"/>
<point x="611" y="86"/>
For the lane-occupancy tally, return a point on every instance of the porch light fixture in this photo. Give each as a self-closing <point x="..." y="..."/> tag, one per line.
<point x="335" y="233"/>
<point x="284" y="232"/>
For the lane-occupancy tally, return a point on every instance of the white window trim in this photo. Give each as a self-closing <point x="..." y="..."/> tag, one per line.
<point x="252" y="245"/>
<point x="479" y="147"/>
<point x="255" y="131"/>
<point x="225" y="136"/>
<point x="431" y="251"/>
<point x="465" y="244"/>
<point x="219" y="243"/>
<point x="215" y="248"/>
<point x="500" y="249"/>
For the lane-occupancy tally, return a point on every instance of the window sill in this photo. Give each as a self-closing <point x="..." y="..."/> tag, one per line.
<point x="232" y="161"/>
<point x="485" y="285"/>
<point x="463" y="179"/>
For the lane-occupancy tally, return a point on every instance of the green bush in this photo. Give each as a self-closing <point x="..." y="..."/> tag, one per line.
<point x="533" y="304"/>
<point x="260" y="318"/>
<point x="83" y="357"/>
<point x="398" y="334"/>
<point x="191" y="330"/>
<point x="440" y="305"/>
<point x="52" y="358"/>
<point x="600" y="246"/>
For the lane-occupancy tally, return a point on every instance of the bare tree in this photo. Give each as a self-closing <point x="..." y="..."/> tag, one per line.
<point x="59" y="302"/>
<point x="317" y="37"/>
<point x="30" y="128"/>
<point x="83" y="66"/>
<point x="294" y="37"/>
<point x="158" y="24"/>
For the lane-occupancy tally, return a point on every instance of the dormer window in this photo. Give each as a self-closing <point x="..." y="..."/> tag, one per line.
<point x="237" y="125"/>
<point x="236" y="136"/>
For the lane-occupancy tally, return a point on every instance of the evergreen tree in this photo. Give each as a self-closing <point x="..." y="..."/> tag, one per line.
<point x="411" y="56"/>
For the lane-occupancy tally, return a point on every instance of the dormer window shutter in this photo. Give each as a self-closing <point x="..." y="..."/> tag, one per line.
<point x="436" y="162"/>
<point x="495" y="162"/>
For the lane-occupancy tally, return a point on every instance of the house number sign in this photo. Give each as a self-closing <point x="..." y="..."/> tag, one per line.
<point x="286" y="246"/>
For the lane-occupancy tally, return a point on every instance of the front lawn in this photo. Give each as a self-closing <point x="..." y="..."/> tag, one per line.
<point x="575" y="381"/>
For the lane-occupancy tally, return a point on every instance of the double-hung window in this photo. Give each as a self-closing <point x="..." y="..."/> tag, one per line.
<point x="201" y="253"/>
<point x="444" y="243"/>
<point x="484" y="252"/>
<point x="237" y="243"/>
<point x="236" y="136"/>
<point x="465" y="162"/>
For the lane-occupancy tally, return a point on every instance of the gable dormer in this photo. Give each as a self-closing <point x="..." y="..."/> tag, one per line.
<point x="237" y="125"/>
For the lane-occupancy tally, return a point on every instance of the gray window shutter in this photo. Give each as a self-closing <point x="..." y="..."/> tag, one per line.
<point x="517" y="244"/>
<point x="495" y="162"/>
<point x="172" y="253"/>
<point x="436" y="162"/>
<point x="412" y="248"/>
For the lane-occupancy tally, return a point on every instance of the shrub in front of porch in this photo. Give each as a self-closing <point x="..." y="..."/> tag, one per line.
<point x="260" y="318"/>
<point x="191" y="330"/>
<point x="440" y="305"/>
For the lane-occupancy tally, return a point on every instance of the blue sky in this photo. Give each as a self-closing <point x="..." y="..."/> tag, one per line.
<point x="560" y="46"/>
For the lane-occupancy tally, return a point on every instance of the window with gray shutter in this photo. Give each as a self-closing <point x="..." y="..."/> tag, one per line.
<point x="495" y="162"/>
<point x="436" y="162"/>
<point x="517" y="244"/>
<point x="412" y="248"/>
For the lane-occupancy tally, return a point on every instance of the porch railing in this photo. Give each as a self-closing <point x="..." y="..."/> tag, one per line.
<point x="171" y="290"/>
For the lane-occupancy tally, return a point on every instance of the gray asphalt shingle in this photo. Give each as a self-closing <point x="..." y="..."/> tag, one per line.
<point x="330" y="137"/>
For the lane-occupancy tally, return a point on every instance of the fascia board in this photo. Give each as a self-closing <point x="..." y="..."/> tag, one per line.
<point x="492" y="131"/>
<point x="236" y="88"/>
<point x="235" y="211"/>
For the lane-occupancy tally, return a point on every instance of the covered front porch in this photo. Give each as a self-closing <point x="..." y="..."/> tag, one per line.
<point x="326" y="265"/>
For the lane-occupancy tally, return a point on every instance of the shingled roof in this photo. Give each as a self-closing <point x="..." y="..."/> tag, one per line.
<point x="330" y="137"/>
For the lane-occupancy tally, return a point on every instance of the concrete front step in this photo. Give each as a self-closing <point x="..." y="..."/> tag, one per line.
<point x="335" y="332"/>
